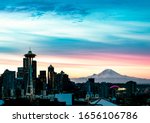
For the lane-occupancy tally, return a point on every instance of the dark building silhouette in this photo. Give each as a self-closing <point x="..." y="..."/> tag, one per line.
<point x="51" y="79"/>
<point x="28" y="63"/>
<point x="131" y="88"/>
<point x="19" y="87"/>
<point x="42" y="78"/>
<point x="80" y="90"/>
<point x="0" y="86"/>
<point x="41" y="83"/>
<point x="58" y="82"/>
<point x="25" y="63"/>
<point x="27" y="87"/>
<point x="20" y="72"/>
<point x="34" y="68"/>
<point x="63" y="83"/>
<point x="8" y="83"/>
<point x="104" y="90"/>
<point x="26" y="72"/>
<point x="90" y="86"/>
<point x="34" y="73"/>
<point x="19" y="82"/>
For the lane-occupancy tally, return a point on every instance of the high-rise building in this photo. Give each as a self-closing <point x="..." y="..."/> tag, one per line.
<point x="42" y="78"/>
<point x="25" y="74"/>
<point x="25" y="63"/>
<point x="104" y="90"/>
<point x="20" y="82"/>
<point x="131" y="88"/>
<point x="51" y="78"/>
<point x="40" y="87"/>
<point x="90" y="86"/>
<point x="58" y="83"/>
<point x="0" y="86"/>
<point x="34" y="73"/>
<point x="34" y="68"/>
<point x="20" y="72"/>
<point x="8" y="83"/>
<point x="62" y="83"/>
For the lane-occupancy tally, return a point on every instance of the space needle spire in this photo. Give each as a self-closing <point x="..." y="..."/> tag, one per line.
<point x="30" y="90"/>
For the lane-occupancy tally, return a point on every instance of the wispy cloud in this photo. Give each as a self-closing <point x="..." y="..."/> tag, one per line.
<point x="93" y="36"/>
<point x="78" y="30"/>
<point x="40" y="7"/>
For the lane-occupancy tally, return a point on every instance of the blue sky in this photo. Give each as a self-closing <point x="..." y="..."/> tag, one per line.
<point x="76" y="29"/>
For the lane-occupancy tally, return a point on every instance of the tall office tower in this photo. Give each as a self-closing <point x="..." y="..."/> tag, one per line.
<point x="62" y="83"/>
<point x="20" y="82"/>
<point x="25" y="74"/>
<point x="131" y="88"/>
<point x="34" y="73"/>
<point x="51" y="78"/>
<point x="41" y="83"/>
<point x="42" y="78"/>
<point x="25" y="63"/>
<point x="65" y="82"/>
<point x="20" y="72"/>
<point x="104" y="90"/>
<point x="90" y="86"/>
<point x="0" y="86"/>
<point x="8" y="83"/>
<point x="29" y="69"/>
<point x="34" y="67"/>
<point x="59" y="82"/>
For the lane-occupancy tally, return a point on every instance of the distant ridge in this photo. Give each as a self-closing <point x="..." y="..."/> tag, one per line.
<point x="109" y="75"/>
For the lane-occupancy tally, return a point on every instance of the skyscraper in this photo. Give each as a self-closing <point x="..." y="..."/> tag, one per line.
<point x="0" y="86"/>
<point x="25" y="63"/>
<point x="41" y="83"/>
<point x="42" y="78"/>
<point x="20" y="72"/>
<point x="34" y="68"/>
<point x="8" y="83"/>
<point x="90" y="86"/>
<point x="51" y="78"/>
<point x="131" y="88"/>
<point x="20" y="82"/>
<point x="104" y="90"/>
<point x="25" y="74"/>
<point x="62" y="83"/>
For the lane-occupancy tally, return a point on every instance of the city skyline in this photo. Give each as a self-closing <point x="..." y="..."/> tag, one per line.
<point x="78" y="37"/>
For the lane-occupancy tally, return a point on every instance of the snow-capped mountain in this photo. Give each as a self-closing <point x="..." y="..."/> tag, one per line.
<point x="109" y="75"/>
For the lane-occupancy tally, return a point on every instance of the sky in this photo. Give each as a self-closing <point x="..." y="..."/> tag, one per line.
<point x="80" y="37"/>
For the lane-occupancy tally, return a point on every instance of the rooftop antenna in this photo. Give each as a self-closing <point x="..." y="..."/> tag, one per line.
<point x="29" y="48"/>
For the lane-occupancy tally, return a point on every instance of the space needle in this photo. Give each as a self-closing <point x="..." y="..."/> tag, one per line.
<point x="30" y="90"/>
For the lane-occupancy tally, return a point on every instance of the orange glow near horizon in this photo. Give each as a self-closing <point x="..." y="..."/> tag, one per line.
<point x="78" y="66"/>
